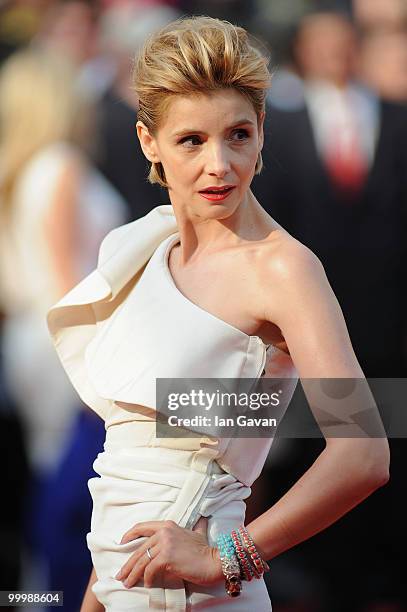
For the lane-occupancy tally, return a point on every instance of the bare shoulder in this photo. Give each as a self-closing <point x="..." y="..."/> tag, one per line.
<point x="286" y="257"/>
<point x="282" y="258"/>
<point x="295" y="295"/>
<point x="287" y="271"/>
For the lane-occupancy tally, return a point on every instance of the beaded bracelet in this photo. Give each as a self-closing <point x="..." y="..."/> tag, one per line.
<point x="259" y="564"/>
<point x="242" y="556"/>
<point x="240" y="559"/>
<point x="230" y="565"/>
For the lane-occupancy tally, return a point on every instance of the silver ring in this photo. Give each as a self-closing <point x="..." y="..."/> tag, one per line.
<point x="149" y="554"/>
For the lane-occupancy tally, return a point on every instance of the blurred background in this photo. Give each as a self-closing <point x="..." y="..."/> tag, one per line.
<point x="335" y="176"/>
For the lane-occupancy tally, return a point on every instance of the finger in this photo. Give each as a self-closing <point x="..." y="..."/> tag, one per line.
<point x="201" y="525"/>
<point x="139" y="568"/>
<point x="125" y="570"/>
<point x="136" y="572"/>
<point x="146" y="528"/>
<point x="154" y="568"/>
<point x="138" y="554"/>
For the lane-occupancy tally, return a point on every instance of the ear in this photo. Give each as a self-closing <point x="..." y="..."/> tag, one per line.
<point x="147" y="142"/>
<point x="260" y="127"/>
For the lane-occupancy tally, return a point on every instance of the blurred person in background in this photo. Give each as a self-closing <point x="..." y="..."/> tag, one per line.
<point x="71" y="29"/>
<point x="336" y="179"/>
<point x="372" y="14"/>
<point x="383" y="63"/>
<point x="55" y="209"/>
<point x="123" y="29"/>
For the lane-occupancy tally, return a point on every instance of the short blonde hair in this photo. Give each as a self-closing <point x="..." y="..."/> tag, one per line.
<point x="195" y="56"/>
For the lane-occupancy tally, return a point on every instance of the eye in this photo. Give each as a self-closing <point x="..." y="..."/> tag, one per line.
<point x="244" y="134"/>
<point x="190" y="141"/>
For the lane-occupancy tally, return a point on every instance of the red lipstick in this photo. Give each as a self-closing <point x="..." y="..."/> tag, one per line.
<point x="215" y="194"/>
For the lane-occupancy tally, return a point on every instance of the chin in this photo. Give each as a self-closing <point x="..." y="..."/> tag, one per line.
<point x="219" y="210"/>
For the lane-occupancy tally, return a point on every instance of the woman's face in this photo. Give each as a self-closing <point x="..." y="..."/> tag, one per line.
<point x="207" y="141"/>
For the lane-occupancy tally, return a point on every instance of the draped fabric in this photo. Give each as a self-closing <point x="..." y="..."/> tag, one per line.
<point x="122" y="327"/>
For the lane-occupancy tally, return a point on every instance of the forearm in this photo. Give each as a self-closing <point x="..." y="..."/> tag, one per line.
<point x="90" y="603"/>
<point x="332" y="486"/>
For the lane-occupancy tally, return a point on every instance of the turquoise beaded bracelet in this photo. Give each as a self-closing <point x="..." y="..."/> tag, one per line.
<point x="230" y="565"/>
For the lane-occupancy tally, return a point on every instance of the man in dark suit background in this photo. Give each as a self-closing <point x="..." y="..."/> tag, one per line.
<point x="336" y="178"/>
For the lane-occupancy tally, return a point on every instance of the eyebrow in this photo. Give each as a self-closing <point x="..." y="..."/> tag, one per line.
<point x="243" y="121"/>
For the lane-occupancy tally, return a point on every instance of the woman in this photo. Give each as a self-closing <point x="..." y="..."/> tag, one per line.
<point x="209" y="287"/>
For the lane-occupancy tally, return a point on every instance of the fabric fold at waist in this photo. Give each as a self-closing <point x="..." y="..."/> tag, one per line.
<point x="142" y="432"/>
<point x="186" y="484"/>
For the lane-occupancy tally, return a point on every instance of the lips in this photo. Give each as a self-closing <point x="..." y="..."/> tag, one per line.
<point x="222" y="189"/>
<point x="217" y="193"/>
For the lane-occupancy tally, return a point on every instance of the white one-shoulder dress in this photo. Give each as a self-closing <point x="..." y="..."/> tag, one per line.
<point x="122" y="327"/>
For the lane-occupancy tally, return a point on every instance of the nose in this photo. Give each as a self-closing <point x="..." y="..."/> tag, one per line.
<point x="218" y="161"/>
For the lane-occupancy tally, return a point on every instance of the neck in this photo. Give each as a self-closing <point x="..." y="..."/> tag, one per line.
<point x="201" y="236"/>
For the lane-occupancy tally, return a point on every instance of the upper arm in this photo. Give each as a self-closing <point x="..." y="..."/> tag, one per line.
<point x="298" y="298"/>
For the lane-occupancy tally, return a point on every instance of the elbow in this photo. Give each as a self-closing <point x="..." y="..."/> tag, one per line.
<point x="378" y="472"/>
<point x="378" y="477"/>
<point x="367" y="461"/>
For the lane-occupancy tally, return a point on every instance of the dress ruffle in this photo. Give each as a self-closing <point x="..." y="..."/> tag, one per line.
<point x="76" y="318"/>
